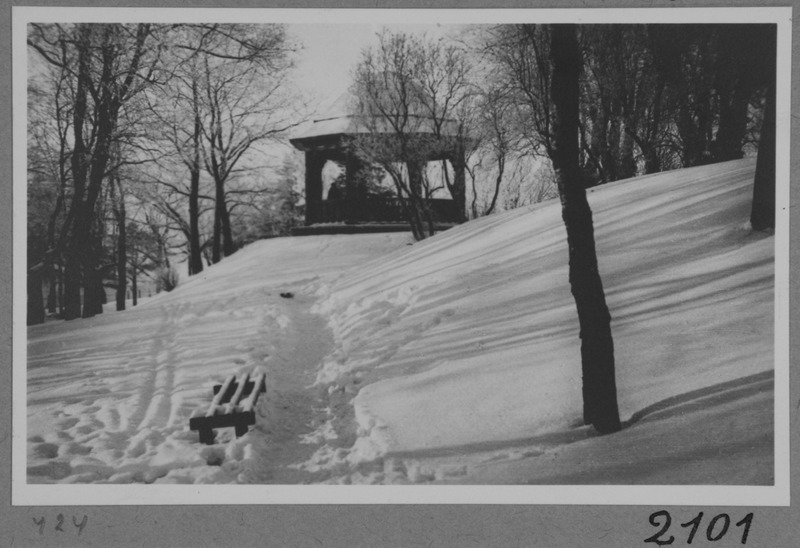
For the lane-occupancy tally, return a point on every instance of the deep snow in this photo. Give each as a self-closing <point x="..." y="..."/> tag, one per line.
<point x="452" y="360"/>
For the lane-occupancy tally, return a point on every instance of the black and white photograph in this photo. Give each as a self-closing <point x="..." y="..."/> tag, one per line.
<point x="401" y="256"/>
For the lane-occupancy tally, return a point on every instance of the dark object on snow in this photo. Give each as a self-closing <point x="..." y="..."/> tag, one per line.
<point x="287" y="295"/>
<point x="233" y="405"/>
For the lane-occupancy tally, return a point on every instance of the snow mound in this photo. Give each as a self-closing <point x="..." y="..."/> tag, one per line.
<point x="469" y="340"/>
<point x="451" y="360"/>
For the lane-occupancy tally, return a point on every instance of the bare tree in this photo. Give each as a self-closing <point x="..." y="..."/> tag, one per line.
<point x="597" y="346"/>
<point x="409" y="93"/>
<point x="108" y="65"/>
<point x="447" y="98"/>
<point x="521" y="55"/>
<point x="244" y="101"/>
<point x="49" y="119"/>
<point x="117" y="193"/>
<point x="227" y="92"/>
<point x="497" y="139"/>
<point x="177" y="106"/>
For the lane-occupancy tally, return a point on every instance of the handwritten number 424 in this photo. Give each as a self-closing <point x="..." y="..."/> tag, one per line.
<point x="716" y="529"/>
<point x="60" y="520"/>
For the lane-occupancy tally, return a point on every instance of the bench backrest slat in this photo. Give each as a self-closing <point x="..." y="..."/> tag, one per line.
<point x="231" y="407"/>
<point x="212" y="408"/>
<point x="249" y="403"/>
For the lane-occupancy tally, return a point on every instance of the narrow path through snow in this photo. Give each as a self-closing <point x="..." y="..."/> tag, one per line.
<point x="109" y="398"/>
<point x="292" y="407"/>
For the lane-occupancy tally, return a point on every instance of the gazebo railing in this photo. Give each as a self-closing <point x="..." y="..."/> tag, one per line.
<point x="381" y="209"/>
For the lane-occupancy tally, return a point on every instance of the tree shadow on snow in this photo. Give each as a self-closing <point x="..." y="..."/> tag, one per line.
<point x="680" y="404"/>
<point x="704" y="398"/>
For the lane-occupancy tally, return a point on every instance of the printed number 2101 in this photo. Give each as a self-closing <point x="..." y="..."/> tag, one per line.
<point x="717" y="528"/>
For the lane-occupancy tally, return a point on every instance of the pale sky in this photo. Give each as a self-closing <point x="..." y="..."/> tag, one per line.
<point x="331" y="52"/>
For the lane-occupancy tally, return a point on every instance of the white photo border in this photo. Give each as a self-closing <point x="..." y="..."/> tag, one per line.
<point x="70" y="495"/>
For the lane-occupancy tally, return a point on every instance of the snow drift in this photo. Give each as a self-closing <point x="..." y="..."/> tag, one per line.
<point x="468" y="342"/>
<point x="455" y="359"/>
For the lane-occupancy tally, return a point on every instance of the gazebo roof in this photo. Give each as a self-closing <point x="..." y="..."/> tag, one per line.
<point x="340" y="119"/>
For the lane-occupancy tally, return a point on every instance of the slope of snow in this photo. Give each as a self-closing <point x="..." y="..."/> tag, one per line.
<point x="452" y="360"/>
<point x="469" y="341"/>
<point x="109" y="398"/>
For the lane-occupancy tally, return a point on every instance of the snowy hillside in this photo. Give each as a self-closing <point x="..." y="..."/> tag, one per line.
<point x="452" y="360"/>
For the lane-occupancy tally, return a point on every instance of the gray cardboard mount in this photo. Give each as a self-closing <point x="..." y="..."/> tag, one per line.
<point x="357" y="525"/>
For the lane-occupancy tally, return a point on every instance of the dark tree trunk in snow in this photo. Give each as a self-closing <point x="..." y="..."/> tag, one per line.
<point x="79" y="156"/>
<point x="223" y="237"/>
<point x="122" y="257"/>
<point x="597" y="346"/>
<point x="93" y="292"/>
<point x="228" y="246"/>
<point x="35" y="299"/>
<point x="762" y="214"/>
<point x="118" y="204"/>
<point x="134" y="288"/>
<point x="72" y="285"/>
<point x="219" y="204"/>
<point x="195" y="252"/>
<point x="52" y="294"/>
<point x="421" y="221"/>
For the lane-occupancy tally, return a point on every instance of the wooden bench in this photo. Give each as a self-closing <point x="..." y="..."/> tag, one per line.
<point x="233" y="405"/>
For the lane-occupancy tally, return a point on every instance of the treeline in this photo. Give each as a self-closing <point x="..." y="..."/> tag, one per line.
<point x="143" y="141"/>
<point x="651" y="98"/>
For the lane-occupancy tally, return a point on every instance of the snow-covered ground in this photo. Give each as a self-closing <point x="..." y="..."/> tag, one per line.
<point x="453" y="360"/>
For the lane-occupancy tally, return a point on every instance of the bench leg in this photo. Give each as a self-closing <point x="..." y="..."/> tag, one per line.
<point x="241" y="430"/>
<point x="206" y="436"/>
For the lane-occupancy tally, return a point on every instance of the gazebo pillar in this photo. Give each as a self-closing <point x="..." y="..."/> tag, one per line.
<point x="355" y="189"/>
<point x="459" y="191"/>
<point x="315" y="161"/>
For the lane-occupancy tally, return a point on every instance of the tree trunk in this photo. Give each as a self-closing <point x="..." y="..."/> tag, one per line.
<point x="72" y="286"/>
<point x="420" y="216"/>
<point x="89" y="166"/>
<point x="122" y="257"/>
<point x="627" y="163"/>
<point x="733" y="93"/>
<point x="53" y="247"/>
<point x="72" y="263"/>
<point x="732" y="125"/>
<point x="228" y="246"/>
<point x="106" y="110"/>
<point x="118" y="208"/>
<point x="52" y="293"/>
<point x="134" y="287"/>
<point x="35" y="299"/>
<point x="93" y="292"/>
<point x="501" y="168"/>
<point x="195" y="256"/>
<point x="219" y="204"/>
<point x="223" y="237"/>
<point x="611" y="151"/>
<point x="597" y="347"/>
<point x="652" y="163"/>
<point x="762" y="214"/>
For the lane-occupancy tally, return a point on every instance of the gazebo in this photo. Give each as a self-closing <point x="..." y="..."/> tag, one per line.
<point x="353" y="208"/>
